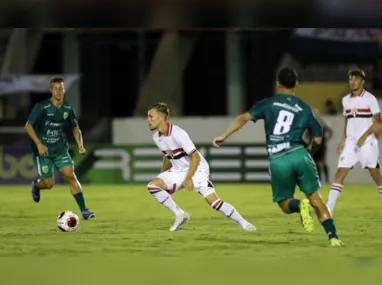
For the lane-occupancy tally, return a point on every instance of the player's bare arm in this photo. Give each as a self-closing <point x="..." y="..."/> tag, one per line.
<point x="377" y="128"/>
<point x="236" y="125"/>
<point x="77" y="134"/>
<point x="42" y="149"/>
<point x="376" y="120"/>
<point x="341" y="144"/>
<point x="195" y="160"/>
<point x="166" y="164"/>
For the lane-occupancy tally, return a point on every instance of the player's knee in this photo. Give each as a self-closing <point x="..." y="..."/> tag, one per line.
<point x="316" y="201"/>
<point x="374" y="172"/>
<point x="48" y="183"/>
<point x="70" y="176"/>
<point x="151" y="186"/>
<point x="155" y="183"/>
<point x="284" y="206"/>
<point x="320" y="208"/>
<point x="340" y="175"/>
<point x="211" y="198"/>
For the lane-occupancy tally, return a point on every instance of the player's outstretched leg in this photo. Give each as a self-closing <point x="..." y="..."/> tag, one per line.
<point x="325" y="218"/>
<point x="155" y="188"/>
<point x="76" y="189"/>
<point x="292" y="205"/>
<point x="228" y="210"/>
<point x="45" y="168"/>
<point x="336" y="188"/>
<point x="36" y="190"/>
<point x="41" y="184"/>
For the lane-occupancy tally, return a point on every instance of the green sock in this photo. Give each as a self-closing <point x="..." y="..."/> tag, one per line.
<point x="80" y="200"/>
<point x="294" y="206"/>
<point x="330" y="228"/>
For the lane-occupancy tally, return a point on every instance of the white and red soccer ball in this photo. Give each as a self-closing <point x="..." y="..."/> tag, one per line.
<point x="68" y="221"/>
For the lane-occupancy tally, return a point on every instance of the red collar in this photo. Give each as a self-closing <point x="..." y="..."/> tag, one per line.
<point x="168" y="130"/>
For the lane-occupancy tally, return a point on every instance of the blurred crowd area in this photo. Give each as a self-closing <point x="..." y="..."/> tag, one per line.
<point x="209" y="72"/>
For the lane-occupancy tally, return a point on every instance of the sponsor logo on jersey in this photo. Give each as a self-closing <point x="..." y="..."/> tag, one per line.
<point x="296" y="108"/>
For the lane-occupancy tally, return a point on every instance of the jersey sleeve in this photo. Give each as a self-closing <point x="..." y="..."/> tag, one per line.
<point x="374" y="106"/>
<point x="258" y="110"/>
<point x="73" y="118"/>
<point x="314" y="126"/>
<point x="35" y="114"/>
<point x="185" y="142"/>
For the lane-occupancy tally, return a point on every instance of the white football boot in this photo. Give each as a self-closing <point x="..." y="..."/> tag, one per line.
<point x="249" y="228"/>
<point x="179" y="221"/>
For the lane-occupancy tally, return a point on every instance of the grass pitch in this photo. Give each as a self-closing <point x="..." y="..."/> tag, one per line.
<point x="129" y="240"/>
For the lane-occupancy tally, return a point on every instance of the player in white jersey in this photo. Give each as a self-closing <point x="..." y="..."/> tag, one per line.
<point x="358" y="143"/>
<point x="183" y="166"/>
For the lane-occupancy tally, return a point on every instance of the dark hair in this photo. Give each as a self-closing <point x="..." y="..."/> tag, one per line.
<point x="161" y="107"/>
<point x="56" y="80"/>
<point x="287" y="77"/>
<point x="357" y="73"/>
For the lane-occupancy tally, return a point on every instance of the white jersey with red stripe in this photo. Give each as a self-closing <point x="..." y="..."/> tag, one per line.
<point x="177" y="146"/>
<point x="359" y="110"/>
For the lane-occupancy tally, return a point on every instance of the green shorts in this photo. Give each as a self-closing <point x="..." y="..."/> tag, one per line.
<point x="294" y="168"/>
<point x="45" y="165"/>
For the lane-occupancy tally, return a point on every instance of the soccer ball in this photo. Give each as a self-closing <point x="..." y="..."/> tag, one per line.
<point x="68" y="221"/>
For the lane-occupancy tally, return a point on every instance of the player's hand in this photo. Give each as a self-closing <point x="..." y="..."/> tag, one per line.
<point x="42" y="149"/>
<point x="340" y="146"/>
<point x="188" y="184"/>
<point x="218" y="140"/>
<point x="361" y="140"/>
<point x="81" y="149"/>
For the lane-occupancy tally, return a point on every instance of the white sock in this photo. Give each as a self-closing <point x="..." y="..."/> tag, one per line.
<point x="335" y="192"/>
<point x="165" y="199"/>
<point x="229" y="211"/>
<point x="380" y="191"/>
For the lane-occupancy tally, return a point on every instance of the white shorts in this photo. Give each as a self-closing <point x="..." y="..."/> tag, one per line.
<point x="201" y="180"/>
<point x="367" y="155"/>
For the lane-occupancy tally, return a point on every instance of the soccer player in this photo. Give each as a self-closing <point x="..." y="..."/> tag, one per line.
<point x="50" y="146"/>
<point x="183" y="166"/>
<point x="286" y="117"/>
<point x="358" y="142"/>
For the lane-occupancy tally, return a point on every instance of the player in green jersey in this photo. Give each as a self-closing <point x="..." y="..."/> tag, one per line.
<point x="286" y="117"/>
<point x="45" y="126"/>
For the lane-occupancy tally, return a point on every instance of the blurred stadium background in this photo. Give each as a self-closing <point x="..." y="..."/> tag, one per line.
<point x="206" y="76"/>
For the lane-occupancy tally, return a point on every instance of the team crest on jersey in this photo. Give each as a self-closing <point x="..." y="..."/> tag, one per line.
<point x="353" y="112"/>
<point x="45" y="169"/>
<point x="66" y="115"/>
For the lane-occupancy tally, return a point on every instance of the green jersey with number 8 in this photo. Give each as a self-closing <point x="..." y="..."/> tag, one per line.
<point x="286" y="117"/>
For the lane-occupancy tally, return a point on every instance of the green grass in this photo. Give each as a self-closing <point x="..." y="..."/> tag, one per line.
<point x="130" y="237"/>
